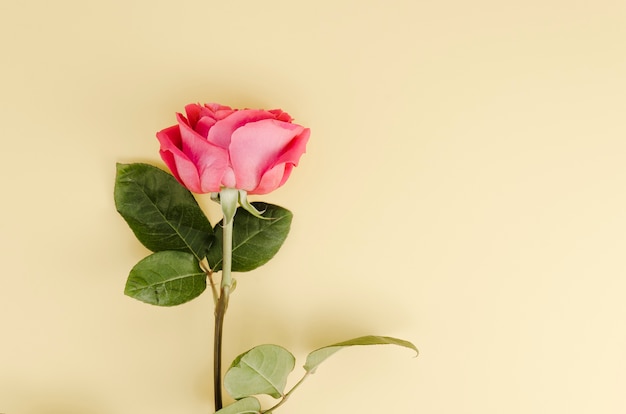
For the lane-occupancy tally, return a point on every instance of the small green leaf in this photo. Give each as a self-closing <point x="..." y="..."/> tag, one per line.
<point x="166" y="279"/>
<point x="261" y="370"/>
<point x="255" y="240"/>
<point x="319" y="355"/>
<point x="249" y="405"/>
<point x="245" y="204"/>
<point x="162" y="213"/>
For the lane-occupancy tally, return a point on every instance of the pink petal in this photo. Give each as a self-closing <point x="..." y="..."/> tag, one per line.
<point x="212" y="167"/>
<point x="196" y="113"/>
<point x="284" y="163"/>
<point x="281" y="115"/>
<point x="204" y="125"/>
<point x="178" y="163"/>
<point x="271" y="180"/>
<point x="193" y="114"/>
<point x="260" y="146"/>
<point x="192" y="143"/>
<point x="221" y="133"/>
<point x="295" y="149"/>
<point x="210" y="160"/>
<point x="220" y="111"/>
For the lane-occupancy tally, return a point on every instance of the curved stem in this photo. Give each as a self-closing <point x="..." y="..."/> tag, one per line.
<point x="220" y="309"/>
<point x="286" y="396"/>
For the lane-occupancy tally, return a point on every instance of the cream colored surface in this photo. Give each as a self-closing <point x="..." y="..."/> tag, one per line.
<point x="464" y="188"/>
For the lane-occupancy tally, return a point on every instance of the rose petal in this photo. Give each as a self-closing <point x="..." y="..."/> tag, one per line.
<point x="284" y="163"/>
<point x="193" y="114"/>
<point x="221" y="133"/>
<point x="196" y="163"/>
<point x="258" y="146"/>
<point x="204" y="125"/>
<point x="220" y="111"/>
<point x="211" y="161"/>
<point x="179" y="164"/>
<point x="295" y="149"/>
<point x="281" y="115"/>
<point x="271" y="180"/>
<point x="212" y="172"/>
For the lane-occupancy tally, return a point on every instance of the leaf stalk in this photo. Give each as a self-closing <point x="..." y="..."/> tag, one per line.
<point x="286" y="396"/>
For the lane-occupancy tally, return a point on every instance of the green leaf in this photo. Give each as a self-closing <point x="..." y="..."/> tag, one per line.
<point x="245" y="204"/>
<point x="248" y="405"/>
<point x="319" y="355"/>
<point x="255" y="240"/>
<point x="162" y="213"/>
<point x="261" y="370"/>
<point x="166" y="279"/>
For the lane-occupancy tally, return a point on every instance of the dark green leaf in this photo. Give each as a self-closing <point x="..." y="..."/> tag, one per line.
<point x="248" y="405"/>
<point x="319" y="355"/>
<point x="166" y="279"/>
<point x="162" y="213"/>
<point x="261" y="370"/>
<point x="255" y="240"/>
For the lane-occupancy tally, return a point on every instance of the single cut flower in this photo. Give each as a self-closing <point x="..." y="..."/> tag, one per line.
<point x="215" y="147"/>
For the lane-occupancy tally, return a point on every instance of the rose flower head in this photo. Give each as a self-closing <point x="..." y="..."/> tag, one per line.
<point x="215" y="147"/>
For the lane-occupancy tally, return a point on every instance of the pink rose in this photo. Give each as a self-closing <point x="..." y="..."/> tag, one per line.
<point x="248" y="149"/>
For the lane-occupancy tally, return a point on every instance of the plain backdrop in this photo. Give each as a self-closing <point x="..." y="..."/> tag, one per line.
<point x="463" y="188"/>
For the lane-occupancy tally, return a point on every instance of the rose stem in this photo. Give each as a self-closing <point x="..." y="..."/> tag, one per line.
<point x="220" y="309"/>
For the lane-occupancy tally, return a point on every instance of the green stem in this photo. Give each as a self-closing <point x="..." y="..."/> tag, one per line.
<point x="220" y="309"/>
<point x="227" y="253"/>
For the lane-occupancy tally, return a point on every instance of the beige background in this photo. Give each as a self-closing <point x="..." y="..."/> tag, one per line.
<point x="464" y="188"/>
